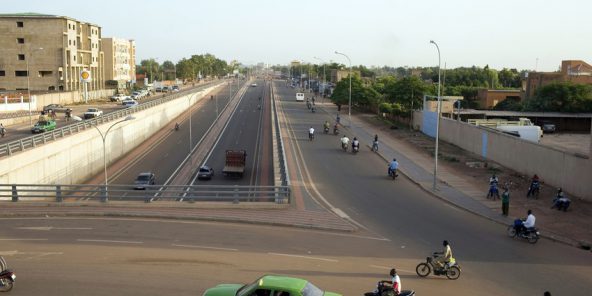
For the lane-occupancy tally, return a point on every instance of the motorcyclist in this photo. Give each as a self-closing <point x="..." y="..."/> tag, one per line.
<point x="375" y="143"/>
<point x="394" y="283"/>
<point x="68" y="114"/>
<point x="355" y="144"/>
<point x="326" y="125"/>
<point x="493" y="190"/>
<point x="534" y="185"/>
<point x="176" y="126"/>
<point x="2" y="130"/>
<point x="445" y="257"/>
<point x="344" y="142"/>
<point x="311" y="133"/>
<point x="393" y="166"/>
<point x="525" y="224"/>
<point x="336" y="128"/>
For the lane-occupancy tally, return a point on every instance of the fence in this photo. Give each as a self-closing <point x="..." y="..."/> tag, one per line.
<point x="23" y="144"/>
<point x="280" y="152"/>
<point x="149" y="193"/>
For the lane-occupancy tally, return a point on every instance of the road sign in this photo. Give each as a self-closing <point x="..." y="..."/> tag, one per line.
<point x="85" y="76"/>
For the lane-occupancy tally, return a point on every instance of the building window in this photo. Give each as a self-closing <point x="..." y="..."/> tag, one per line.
<point x="20" y="73"/>
<point x="45" y="73"/>
<point x="75" y="58"/>
<point x="2" y="73"/>
<point x="21" y="57"/>
<point x="69" y="42"/>
<point x="20" y="24"/>
<point x="20" y="40"/>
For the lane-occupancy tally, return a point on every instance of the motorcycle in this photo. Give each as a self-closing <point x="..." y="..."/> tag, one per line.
<point x="2" y="132"/>
<point x="382" y="290"/>
<point x="310" y="136"/>
<point x="533" y="190"/>
<point x="375" y="146"/>
<point x="335" y="131"/>
<point x="451" y="270"/>
<point x="7" y="277"/>
<point x="176" y="126"/>
<point x="392" y="173"/>
<point x="344" y="147"/>
<point x="493" y="192"/>
<point x="326" y="130"/>
<point x="532" y="235"/>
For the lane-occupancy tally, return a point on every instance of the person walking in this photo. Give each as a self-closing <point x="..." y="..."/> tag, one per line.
<point x="505" y="201"/>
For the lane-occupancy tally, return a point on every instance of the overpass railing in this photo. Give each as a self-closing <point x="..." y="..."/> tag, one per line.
<point x="147" y="193"/>
<point x="23" y="144"/>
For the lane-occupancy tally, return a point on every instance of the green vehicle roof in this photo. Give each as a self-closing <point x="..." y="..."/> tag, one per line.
<point x="275" y="281"/>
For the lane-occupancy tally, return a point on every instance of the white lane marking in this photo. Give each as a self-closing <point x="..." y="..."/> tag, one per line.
<point x="108" y="241"/>
<point x="304" y="257"/>
<point x="23" y="239"/>
<point x="386" y="267"/>
<point x="204" y="247"/>
<point x="47" y="228"/>
<point x="38" y="254"/>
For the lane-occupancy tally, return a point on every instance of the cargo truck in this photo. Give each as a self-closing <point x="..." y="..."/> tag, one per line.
<point x="235" y="163"/>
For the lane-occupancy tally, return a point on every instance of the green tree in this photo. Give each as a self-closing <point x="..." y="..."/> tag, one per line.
<point x="561" y="97"/>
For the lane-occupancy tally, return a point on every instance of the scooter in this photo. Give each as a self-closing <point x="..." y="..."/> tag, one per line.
<point x="355" y="149"/>
<point x="382" y="290"/>
<point x="392" y="174"/>
<point x="451" y="270"/>
<point x="326" y="130"/>
<point x="344" y="147"/>
<point x="335" y="131"/>
<point x="310" y="136"/>
<point x="7" y="277"/>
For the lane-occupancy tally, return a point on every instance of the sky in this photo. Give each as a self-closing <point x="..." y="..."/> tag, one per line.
<point x="529" y="35"/>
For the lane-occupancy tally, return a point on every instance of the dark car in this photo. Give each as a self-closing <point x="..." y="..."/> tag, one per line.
<point x="205" y="173"/>
<point x="143" y="180"/>
<point x="54" y="107"/>
<point x="548" y="128"/>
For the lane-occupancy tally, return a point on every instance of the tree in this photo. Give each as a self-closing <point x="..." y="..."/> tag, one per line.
<point x="561" y="97"/>
<point x="149" y="67"/>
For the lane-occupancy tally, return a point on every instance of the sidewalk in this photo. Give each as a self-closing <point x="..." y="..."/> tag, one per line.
<point x="460" y="185"/>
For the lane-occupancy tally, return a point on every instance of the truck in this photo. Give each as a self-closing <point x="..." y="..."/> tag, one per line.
<point x="235" y="163"/>
<point x="522" y="128"/>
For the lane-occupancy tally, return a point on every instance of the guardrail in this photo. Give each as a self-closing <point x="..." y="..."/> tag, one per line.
<point x="149" y="193"/>
<point x="285" y="177"/>
<point x="23" y="144"/>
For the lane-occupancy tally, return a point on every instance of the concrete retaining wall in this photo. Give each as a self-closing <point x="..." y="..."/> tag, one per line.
<point x="74" y="159"/>
<point x="72" y="97"/>
<point x="555" y="167"/>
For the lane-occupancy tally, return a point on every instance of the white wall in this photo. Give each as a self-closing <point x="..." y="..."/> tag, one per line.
<point x="75" y="158"/>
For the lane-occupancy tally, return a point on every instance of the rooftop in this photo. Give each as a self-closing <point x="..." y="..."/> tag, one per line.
<point x="524" y="114"/>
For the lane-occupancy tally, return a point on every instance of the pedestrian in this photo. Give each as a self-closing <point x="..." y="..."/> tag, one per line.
<point x="505" y="201"/>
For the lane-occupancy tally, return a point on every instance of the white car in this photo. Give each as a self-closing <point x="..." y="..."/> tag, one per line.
<point x="92" y="113"/>
<point x="254" y="84"/>
<point x="119" y="97"/>
<point x="129" y="103"/>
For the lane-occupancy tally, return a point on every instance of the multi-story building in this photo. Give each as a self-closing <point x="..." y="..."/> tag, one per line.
<point x="575" y="71"/>
<point x="120" y="61"/>
<point x="48" y="52"/>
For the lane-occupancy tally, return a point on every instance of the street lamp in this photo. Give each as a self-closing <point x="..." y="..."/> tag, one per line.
<point x="190" y="113"/>
<point x="350" y="77"/>
<point x="29" y="81"/>
<point x="324" y="78"/>
<point x="104" y="138"/>
<point x="437" y="118"/>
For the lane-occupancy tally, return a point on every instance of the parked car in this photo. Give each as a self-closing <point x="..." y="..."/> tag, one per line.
<point x="43" y="126"/>
<point x="175" y="88"/>
<point x="136" y="95"/>
<point x="158" y="89"/>
<point x="270" y="285"/>
<point x="54" y="108"/>
<point x="129" y="103"/>
<point x="548" y="128"/>
<point x="143" y="180"/>
<point x="254" y="84"/>
<point x="92" y="113"/>
<point x="205" y="173"/>
<point x="118" y="97"/>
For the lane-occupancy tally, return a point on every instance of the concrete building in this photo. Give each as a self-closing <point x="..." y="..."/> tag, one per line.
<point x="575" y="71"/>
<point x="120" y="61"/>
<point x="53" y="48"/>
<point x="337" y="75"/>
<point x="488" y="98"/>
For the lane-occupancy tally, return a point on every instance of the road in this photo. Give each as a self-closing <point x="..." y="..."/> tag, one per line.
<point x="400" y="225"/>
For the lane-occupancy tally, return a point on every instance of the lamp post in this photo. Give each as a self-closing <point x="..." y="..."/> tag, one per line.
<point x="324" y="78"/>
<point x="190" y="113"/>
<point x="350" y="77"/>
<point x="437" y="118"/>
<point x="29" y="82"/>
<point x="104" y="138"/>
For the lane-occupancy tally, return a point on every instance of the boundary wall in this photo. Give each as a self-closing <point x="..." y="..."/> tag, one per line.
<point x="74" y="159"/>
<point x="568" y="170"/>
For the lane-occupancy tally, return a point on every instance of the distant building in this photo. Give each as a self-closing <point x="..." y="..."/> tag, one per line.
<point x="55" y="49"/>
<point x="337" y="75"/>
<point x="120" y="61"/>
<point x="488" y="98"/>
<point x="575" y="71"/>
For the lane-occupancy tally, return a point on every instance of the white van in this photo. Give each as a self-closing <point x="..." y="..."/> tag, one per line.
<point x="299" y="97"/>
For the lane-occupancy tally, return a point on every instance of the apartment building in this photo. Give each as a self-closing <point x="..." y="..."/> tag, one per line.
<point x="575" y="71"/>
<point x="47" y="52"/>
<point x="120" y="61"/>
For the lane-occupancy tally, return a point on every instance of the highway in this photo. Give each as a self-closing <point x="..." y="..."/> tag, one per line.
<point x="400" y="225"/>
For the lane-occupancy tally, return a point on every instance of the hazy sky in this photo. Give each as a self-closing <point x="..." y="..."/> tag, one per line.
<point x="502" y="33"/>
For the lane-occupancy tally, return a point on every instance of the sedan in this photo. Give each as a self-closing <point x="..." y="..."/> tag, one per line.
<point x="54" y="107"/>
<point x="143" y="180"/>
<point x="270" y="285"/>
<point x="205" y="173"/>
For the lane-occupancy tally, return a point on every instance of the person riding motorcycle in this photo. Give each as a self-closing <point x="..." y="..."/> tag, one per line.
<point x="355" y="144"/>
<point x="394" y="283"/>
<point x="2" y="130"/>
<point x="344" y="142"/>
<point x="393" y="166"/>
<point x="311" y="133"/>
<point x="534" y="185"/>
<point x="336" y="129"/>
<point x="445" y="256"/>
<point x="176" y="126"/>
<point x="523" y="225"/>
<point x="326" y="125"/>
